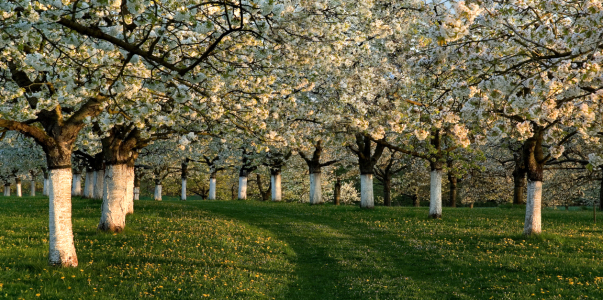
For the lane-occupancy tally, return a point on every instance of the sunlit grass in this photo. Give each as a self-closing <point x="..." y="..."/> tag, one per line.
<point x="257" y="250"/>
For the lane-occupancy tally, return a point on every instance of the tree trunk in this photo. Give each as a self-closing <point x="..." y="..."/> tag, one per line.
<point x="45" y="182"/>
<point x="157" y="194"/>
<point x="183" y="190"/>
<point x="115" y="198"/>
<point x="89" y="184"/>
<point x="7" y="190"/>
<point x="533" y="222"/>
<point x="435" y="201"/>
<point x="76" y="189"/>
<point x="387" y="192"/>
<point x="519" y="181"/>
<point x="136" y="187"/>
<point x="453" y="189"/>
<point x="275" y="185"/>
<point x="534" y="162"/>
<point x="315" y="188"/>
<point x="337" y="193"/>
<point x="415" y="200"/>
<point x="62" y="248"/>
<point x="242" y="187"/>
<point x="32" y="191"/>
<point x="130" y="190"/>
<point x="212" y="187"/>
<point x="601" y="192"/>
<point x="232" y="193"/>
<point x="183" y="177"/>
<point x="264" y="193"/>
<point x="367" y="199"/>
<point x="18" y="183"/>
<point x="99" y="184"/>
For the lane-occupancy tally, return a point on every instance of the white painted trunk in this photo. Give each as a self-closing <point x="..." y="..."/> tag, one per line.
<point x="435" y="191"/>
<point x="99" y="184"/>
<point x="242" y="188"/>
<point x="367" y="199"/>
<point x="115" y="198"/>
<point x="130" y="191"/>
<point x="89" y="185"/>
<point x="212" y="189"/>
<point x="533" y="204"/>
<point x="7" y="190"/>
<point x="76" y="189"/>
<point x="62" y="248"/>
<point x="136" y="193"/>
<point x="19" y="193"/>
<point x="275" y="181"/>
<point x="183" y="190"/>
<point x="45" y="187"/>
<point x="315" y="189"/>
<point x="32" y="191"/>
<point x="157" y="192"/>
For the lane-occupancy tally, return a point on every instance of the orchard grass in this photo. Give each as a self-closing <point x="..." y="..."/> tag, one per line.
<point x="258" y="250"/>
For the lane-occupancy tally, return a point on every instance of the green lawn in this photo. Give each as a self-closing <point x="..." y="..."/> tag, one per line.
<point x="254" y="250"/>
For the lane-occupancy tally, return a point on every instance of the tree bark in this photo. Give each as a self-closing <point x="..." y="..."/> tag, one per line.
<point x="115" y="200"/>
<point x="534" y="162"/>
<point x="315" y="188"/>
<point x="337" y="193"/>
<point x="435" y="201"/>
<point x="7" y="190"/>
<point x="89" y="183"/>
<point x="18" y="183"/>
<point x="157" y="194"/>
<point x="99" y="184"/>
<point x="533" y="216"/>
<point x="367" y="199"/>
<point x="76" y="189"/>
<point x="519" y="182"/>
<point x="264" y="193"/>
<point x="366" y="163"/>
<point x="601" y="192"/>
<point x="387" y="192"/>
<point x="415" y="200"/>
<point x="62" y="248"/>
<point x="136" y="186"/>
<point x="315" y="169"/>
<point x="275" y="185"/>
<point x="452" y="180"/>
<point x="130" y="190"/>
<point x="212" y="186"/>
<point x="32" y="191"/>
<point x="183" y="177"/>
<point x="45" y="183"/>
<point x="242" y="187"/>
<point x="183" y="189"/>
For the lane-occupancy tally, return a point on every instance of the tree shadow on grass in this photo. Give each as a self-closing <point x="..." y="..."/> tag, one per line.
<point x="345" y="253"/>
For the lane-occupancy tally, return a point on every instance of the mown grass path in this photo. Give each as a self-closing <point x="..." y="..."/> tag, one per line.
<point x="255" y="250"/>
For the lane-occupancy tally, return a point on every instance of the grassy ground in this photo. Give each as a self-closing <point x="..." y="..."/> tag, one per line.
<point x="255" y="250"/>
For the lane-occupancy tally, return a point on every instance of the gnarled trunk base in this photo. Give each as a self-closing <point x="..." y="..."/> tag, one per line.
<point x="115" y="198"/>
